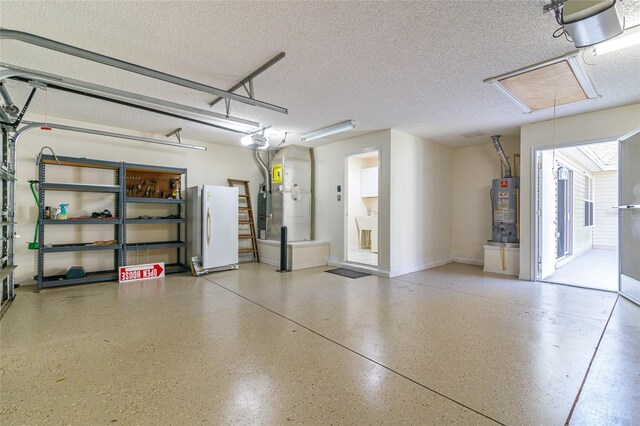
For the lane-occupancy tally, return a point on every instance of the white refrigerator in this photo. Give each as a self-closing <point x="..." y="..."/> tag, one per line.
<point x="212" y="221"/>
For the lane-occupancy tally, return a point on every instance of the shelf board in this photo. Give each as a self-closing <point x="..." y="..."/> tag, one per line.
<point x="155" y="245"/>
<point x="154" y="200"/>
<point x="150" y="221"/>
<point x="110" y="221"/>
<point x="76" y="187"/>
<point x="90" y="277"/>
<point x="7" y="223"/>
<point x="5" y="272"/>
<point x="80" y="162"/>
<point x="150" y="168"/>
<point x="58" y="248"/>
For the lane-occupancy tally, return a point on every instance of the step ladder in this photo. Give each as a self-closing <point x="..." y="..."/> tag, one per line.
<point x="245" y="220"/>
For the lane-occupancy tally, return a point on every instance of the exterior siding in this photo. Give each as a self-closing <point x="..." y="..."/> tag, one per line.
<point x="605" y="217"/>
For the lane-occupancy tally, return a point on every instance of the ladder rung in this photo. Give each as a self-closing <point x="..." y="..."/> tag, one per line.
<point x="245" y="208"/>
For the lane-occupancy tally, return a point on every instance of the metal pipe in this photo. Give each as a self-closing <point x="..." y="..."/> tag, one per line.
<point x="253" y="75"/>
<point x="14" y="72"/>
<point x="263" y="168"/>
<point x="9" y="106"/>
<point x="496" y="144"/>
<point x="31" y="126"/>
<point x="128" y="66"/>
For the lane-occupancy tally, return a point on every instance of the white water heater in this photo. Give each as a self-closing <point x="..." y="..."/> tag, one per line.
<point x="504" y="202"/>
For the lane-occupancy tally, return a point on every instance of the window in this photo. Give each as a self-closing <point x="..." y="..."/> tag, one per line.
<point x="588" y="201"/>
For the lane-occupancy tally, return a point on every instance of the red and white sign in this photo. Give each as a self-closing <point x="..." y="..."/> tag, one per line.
<point x="504" y="184"/>
<point x="141" y="272"/>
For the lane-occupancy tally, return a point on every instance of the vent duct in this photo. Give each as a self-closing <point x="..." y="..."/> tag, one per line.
<point x="507" y="167"/>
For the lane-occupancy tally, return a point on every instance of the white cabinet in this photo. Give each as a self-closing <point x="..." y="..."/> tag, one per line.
<point x="369" y="186"/>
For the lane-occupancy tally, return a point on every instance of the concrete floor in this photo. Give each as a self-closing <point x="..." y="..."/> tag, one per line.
<point x="596" y="268"/>
<point x="447" y="345"/>
<point x="364" y="256"/>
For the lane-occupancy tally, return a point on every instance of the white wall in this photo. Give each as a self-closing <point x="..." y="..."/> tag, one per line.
<point x="600" y="125"/>
<point x="329" y="170"/>
<point x="605" y="216"/>
<point x="210" y="167"/>
<point x="421" y="203"/>
<point x="474" y="167"/>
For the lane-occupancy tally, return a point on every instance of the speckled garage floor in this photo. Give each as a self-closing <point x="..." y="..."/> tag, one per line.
<point x="448" y="345"/>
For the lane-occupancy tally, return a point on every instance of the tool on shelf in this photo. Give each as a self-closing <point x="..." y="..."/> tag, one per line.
<point x="34" y="244"/>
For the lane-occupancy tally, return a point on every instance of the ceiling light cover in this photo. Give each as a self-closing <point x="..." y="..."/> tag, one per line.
<point x="328" y="131"/>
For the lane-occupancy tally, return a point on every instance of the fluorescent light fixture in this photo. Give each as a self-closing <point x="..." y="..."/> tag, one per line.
<point x="557" y="82"/>
<point x="630" y="37"/>
<point x="328" y="131"/>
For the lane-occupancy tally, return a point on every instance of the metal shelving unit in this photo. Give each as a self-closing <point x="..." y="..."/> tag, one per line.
<point x="179" y="244"/>
<point x="119" y="221"/>
<point x="116" y="221"/>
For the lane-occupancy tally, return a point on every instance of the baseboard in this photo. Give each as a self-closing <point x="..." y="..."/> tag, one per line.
<point x="425" y="264"/>
<point x="525" y="277"/>
<point x="270" y="262"/>
<point x="468" y="260"/>
<point x="500" y="271"/>
<point x="310" y="265"/>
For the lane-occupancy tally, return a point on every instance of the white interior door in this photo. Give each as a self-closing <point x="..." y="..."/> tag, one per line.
<point x="629" y="221"/>
<point x="220" y="226"/>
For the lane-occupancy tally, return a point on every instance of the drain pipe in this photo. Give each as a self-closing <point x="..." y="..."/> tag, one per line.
<point x="507" y="167"/>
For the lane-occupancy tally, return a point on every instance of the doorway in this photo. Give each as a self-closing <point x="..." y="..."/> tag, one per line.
<point x="361" y="207"/>
<point x="576" y="217"/>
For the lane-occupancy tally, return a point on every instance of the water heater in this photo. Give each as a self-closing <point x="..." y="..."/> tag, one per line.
<point x="504" y="202"/>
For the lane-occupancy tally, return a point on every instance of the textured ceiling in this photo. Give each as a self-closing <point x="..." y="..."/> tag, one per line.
<point x="414" y="66"/>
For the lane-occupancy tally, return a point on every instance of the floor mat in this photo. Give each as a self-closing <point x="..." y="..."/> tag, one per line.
<point x="348" y="273"/>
